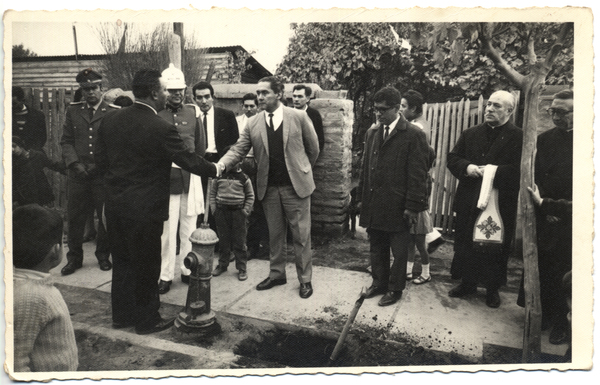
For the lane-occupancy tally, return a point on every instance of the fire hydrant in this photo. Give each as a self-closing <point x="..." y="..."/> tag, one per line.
<point x="197" y="317"/>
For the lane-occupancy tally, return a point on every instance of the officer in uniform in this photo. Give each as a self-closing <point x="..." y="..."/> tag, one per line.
<point x="186" y="197"/>
<point x="85" y="189"/>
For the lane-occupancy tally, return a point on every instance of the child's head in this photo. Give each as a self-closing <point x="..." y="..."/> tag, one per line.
<point x="37" y="238"/>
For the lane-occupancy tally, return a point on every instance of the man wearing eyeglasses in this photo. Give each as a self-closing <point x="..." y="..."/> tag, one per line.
<point x="496" y="142"/>
<point x="554" y="178"/>
<point x="391" y="192"/>
<point x="85" y="192"/>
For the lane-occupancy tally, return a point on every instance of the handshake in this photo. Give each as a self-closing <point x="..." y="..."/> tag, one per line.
<point x="220" y="169"/>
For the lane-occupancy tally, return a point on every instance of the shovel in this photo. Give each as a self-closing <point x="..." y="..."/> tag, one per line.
<point x="349" y="322"/>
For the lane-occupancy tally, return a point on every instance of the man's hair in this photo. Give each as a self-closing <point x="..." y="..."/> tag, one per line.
<point x="564" y="95"/>
<point x="36" y="230"/>
<point x="389" y="95"/>
<point x="307" y="89"/>
<point x="274" y="82"/>
<point x="144" y="82"/>
<point x="250" y="96"/>
<point x="203" y="86"/>
<point x="18" y="93"/>
<point x="414" y="99"/>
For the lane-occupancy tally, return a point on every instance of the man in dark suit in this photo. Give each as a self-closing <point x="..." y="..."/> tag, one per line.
<point x="85" y="189"/>
<point x="301" y="97"/>
<point x="134" y="152"/>
<point x="391" y="192"/>
<point x="27" y="124"/>
<point x="496" y="142"/>
<point x="220" y="125"/>
<point x="285" y="148"/>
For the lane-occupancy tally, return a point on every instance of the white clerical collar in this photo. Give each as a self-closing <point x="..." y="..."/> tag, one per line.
<point x="147" y="105"/>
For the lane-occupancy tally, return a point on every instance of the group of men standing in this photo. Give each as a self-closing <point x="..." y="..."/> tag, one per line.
<point x="140" y="165"/>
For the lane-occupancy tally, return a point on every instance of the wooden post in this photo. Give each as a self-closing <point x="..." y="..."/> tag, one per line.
<point x="178" y="30"/>
<point x="175" y="50"/>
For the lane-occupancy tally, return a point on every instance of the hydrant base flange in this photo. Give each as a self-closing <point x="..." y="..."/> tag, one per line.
<point x="197" y="323"/>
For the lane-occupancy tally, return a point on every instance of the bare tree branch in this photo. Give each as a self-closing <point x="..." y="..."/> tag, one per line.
<point x="531" y="56"/>
<point x="557" y="47"/>
<point x="496" y="57"/>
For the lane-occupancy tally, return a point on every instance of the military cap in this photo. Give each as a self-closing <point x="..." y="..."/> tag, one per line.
<point x="88" y="77"/>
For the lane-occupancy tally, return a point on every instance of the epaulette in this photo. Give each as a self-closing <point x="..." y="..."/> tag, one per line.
<point x="198" y="111"/>
<point x="76" y="103"/>
<point x="114" y="106"/>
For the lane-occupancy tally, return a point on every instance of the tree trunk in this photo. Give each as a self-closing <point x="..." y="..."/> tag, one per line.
<point x="527" y="237"/>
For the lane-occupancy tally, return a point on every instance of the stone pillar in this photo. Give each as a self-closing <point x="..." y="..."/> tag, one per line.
<point x="333" y="170"/>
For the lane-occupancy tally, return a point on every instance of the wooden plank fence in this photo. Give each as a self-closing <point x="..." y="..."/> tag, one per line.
<point x="448" y="120"/>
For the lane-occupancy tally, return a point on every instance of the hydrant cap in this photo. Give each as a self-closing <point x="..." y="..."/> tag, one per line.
<point x="204" y="236"/>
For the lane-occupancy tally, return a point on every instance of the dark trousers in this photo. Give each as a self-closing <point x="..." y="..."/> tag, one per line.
<point x="393" y="278"/>
<point x="232" y="236"/>
<point x="136" y="255"/>
<point x="84" y="197"/>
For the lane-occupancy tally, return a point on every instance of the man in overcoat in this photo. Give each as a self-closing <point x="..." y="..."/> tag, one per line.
<point x="134" y="152"/>
<point x="85" y="188"/>
<point x="494" y="142"/>
<point x="286" y="148"/>
<point x="392" y="190"/>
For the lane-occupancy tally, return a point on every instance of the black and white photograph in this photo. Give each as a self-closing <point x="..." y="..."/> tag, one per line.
<point x="235" y="192"/>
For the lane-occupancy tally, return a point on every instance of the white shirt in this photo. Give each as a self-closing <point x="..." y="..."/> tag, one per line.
<point x="392" y="126"/>
<point x="210" y="130"/>
<point x="277" y="117"/>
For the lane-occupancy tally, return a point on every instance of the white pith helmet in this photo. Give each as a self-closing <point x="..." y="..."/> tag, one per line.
<point x="174" y="78"/>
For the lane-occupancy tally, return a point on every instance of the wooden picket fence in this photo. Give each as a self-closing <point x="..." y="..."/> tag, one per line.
<point x="448" y="120"/>
<point x="53" y="103"/>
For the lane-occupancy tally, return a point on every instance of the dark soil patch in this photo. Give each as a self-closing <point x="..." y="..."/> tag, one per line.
<point x="102" y="353"/>
<point x="304" y="349"/>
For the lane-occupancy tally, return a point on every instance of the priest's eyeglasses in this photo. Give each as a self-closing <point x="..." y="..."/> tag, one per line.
<point x="558" y="112"/>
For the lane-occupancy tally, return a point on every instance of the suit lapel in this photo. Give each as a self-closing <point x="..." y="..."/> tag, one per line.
<point x="100" y="112"/>
<point x="262" y="127"/>
<point x="285" y="127"/>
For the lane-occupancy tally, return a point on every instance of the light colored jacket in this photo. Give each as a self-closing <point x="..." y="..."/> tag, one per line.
<point x="300" y="146"/>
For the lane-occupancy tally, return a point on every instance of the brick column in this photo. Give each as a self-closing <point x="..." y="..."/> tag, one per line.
<point x="333" y="170"/>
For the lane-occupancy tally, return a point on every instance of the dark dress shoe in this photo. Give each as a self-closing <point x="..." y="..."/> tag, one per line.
<point x="559" y="335"/>
<point x="492" y="298"/>
<point x="390" y="298"/>
<point x="163" y="324"/>
<point x="185" y="279"/>
<point x="164" y="286"/>
<point x="218" y="271"/>
<point x="305" y="290"/>
<point x="70" y="268"/>
<point x="269" y="283"/>
<point x="374" y="290"/>
<point x="462" y="290"/>
<point x="105" y="265"/>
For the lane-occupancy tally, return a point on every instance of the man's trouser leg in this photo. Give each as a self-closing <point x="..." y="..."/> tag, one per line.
<point x="297" y="212"/>
<point x="79" y="207"/>
<point x="277" y="224"/>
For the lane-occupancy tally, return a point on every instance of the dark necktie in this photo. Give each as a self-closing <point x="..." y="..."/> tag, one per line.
<point x="205" y="129"/>
<point x="386" y="133"/>
<point x="91" y="113"/>
<point x="271" y="122"/>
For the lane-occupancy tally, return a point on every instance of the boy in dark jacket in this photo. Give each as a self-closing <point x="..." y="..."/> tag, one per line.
<point x="231" y="199"/>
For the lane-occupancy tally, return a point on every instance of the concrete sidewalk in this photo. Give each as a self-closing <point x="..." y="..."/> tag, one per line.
<point x="425" y="315"/>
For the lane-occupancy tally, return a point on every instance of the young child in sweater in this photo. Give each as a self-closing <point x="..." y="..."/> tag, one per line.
<point x="44" y="340"/>
<point x="231" y="199"/>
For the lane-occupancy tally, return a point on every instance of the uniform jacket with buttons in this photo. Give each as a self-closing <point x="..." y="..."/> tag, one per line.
<point x="79" y="133"/>
<point x="191" y="130"/>
<point x="394" y="176"/>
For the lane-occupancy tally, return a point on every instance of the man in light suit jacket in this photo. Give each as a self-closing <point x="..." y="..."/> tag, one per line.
<point x="286" y="148"/>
